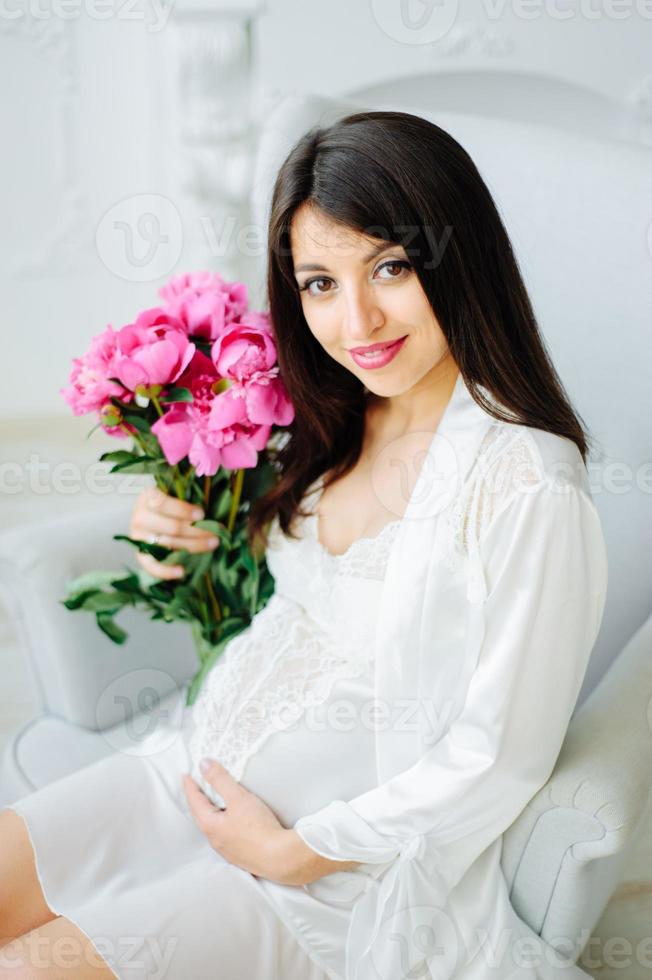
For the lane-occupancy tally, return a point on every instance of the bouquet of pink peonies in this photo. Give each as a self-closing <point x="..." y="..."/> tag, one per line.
<point x="195" y="385"/>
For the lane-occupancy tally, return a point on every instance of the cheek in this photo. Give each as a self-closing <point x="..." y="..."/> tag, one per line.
<point x="408" y="304"/>
<point x="323" y="325"/>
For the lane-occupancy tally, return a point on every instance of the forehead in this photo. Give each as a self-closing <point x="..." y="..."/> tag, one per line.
<point x="314" y="235"/>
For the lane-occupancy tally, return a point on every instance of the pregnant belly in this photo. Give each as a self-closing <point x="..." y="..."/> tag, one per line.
<point x="325" y="754"/>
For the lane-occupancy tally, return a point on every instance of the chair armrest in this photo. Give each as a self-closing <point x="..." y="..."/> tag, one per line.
<point x="564" y="856"/>
<point x="80" y="674"/>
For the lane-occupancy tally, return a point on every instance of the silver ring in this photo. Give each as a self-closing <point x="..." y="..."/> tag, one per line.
<point x="154" y="538"/>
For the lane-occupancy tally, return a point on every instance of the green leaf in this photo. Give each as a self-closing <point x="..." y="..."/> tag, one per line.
<point x="203" y="565"/>
<point x="223" y="506"/>
<point x="92" y="581"/>
<point x="216" y="528"/>
<point x="162" y="590"/>
<point x="229" y="628"/>
<point x="129" y="584"/>
<point x="138" y="422"/>
<point x="108" y="625"/>
<point x="257" y="480"/>
<point x="178" y="395"/>
<point x="247" y="560"/>
<point x="105" y="602"/>
<point x="77" y="601"/>
<point x="118" y="456"/>
<point x="157" y="551"/>
<point x="141" y="464"/>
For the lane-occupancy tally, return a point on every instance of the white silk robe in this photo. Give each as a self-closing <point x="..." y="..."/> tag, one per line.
<point x="487" y="652"/>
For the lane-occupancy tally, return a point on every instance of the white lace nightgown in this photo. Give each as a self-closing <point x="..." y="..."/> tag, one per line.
<point x="288" y="710"/>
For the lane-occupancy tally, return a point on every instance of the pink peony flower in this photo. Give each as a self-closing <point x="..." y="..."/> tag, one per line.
<point x="153" y="350"/>
<point x="183" y="430"/>
<point x="246" y="354"/>
<point x="91" y="387"/>
<point x="204" y="302"/>
<point x="212" y="431"/>
<point x="245" y="348"/>
<point x="239" y="437"/>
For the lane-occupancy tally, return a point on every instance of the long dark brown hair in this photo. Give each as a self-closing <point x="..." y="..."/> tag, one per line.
<point x="400" y="178"/>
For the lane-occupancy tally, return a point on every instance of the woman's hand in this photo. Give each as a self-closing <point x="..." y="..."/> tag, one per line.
<point x="159" y="518"/>
<point x="247" y="833"/>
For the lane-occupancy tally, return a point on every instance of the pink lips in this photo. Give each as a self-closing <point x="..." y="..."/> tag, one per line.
<point x="389" y="353"/>
<point x="370" y="348"/>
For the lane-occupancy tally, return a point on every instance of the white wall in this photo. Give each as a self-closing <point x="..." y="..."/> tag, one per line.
<point x="122" y="131"/>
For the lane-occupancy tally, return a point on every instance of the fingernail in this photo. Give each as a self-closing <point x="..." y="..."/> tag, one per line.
<point x="205" y="765"/>
<point x="197" y="514"/>
<point x="213" y="541"/>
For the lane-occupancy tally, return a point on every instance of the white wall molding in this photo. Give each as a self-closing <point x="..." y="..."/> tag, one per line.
<point x="214" y="133"/>
<point x="64" y="247"/>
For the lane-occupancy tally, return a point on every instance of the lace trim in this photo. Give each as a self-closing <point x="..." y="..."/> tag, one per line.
<point x="506" y="464"/>
<point x="366" y="557"/>
<point x="268" y="677"/>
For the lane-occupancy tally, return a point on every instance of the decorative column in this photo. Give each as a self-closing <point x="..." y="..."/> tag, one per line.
<point x="214" y="133"/>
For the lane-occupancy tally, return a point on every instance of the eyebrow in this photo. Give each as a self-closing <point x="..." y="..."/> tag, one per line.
<point x="308" y="267"/>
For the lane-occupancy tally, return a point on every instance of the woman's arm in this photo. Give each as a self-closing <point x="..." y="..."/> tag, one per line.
<point x="301" y="865"/>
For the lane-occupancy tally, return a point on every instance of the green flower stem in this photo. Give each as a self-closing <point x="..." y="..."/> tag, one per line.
<point x="156" y="403"/>
<point x="178" y="484"/>
<point x="235" y="500"/>
<point x="189" y="476"/>
<point x="200" y="642"/>
<point x="215" y="606"/>
<point x="127" y="431"/>
<point x="217" y="612"/>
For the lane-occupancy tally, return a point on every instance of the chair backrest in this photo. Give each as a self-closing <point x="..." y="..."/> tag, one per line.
<point x="579" y="214"/>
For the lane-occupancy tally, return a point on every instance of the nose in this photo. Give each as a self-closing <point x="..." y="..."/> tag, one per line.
<point x="363" y="316"/>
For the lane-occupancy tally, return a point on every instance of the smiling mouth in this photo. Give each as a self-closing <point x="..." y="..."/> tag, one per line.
<point x="380" y="357"/>
<point x="374" y="348"/>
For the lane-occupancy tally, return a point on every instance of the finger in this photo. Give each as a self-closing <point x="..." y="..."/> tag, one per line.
<point x="201" y="807"/>
<point x="194" y="545"/>
<point x="172" y="526"/>
<point x="177" y="543"/>
<point x="163" y="503"/>
<point x="159" y="570"/>
<point x="219" y="777"/>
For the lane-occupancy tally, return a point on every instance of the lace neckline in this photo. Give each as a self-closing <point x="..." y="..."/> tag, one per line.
<point x="313" y="524"/>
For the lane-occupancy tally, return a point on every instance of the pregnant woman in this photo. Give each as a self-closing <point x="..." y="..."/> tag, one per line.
<point x="440" y="578"/>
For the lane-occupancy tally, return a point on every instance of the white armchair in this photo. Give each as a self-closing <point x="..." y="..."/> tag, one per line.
<point x="576" y="211"/>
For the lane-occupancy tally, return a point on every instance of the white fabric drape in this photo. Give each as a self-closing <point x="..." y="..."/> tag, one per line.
<point x="489" y="658"/>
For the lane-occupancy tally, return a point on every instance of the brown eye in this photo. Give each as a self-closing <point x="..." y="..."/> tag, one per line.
<point x="311" y="282"/>
<point x="399" y="264"/>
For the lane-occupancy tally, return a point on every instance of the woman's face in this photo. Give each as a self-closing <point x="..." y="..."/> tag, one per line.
<point x="351" y="298"/>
